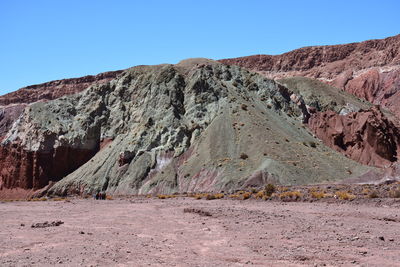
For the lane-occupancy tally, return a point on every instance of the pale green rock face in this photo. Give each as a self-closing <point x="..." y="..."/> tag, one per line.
<point x="183" y="128"/>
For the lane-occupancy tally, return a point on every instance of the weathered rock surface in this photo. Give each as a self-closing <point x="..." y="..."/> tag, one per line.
<point x="169" y="128"/>
<point x="343" y="122"/>
<point x="8" y="116"/>
<point x="369" y="69"/>
<point x="366" y="136"/>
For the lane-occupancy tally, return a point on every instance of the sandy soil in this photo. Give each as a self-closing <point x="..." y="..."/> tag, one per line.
<point x="143" y="232"/>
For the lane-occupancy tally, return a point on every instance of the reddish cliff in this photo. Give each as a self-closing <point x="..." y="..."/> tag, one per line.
<point x="333" y="59"/>
<point x="20" y="168"/>
<point x="366" y="136"/>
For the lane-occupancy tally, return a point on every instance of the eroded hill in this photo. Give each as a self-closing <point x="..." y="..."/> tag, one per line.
<point x="195" y="126"/>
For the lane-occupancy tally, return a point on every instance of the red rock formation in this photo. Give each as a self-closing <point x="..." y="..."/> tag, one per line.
<point x="366" y="136"/>
<point x="34" y="170"/>
<point x="333" y="59"/>
<point x="369" y="69"/>
<point x="55" y="89"/>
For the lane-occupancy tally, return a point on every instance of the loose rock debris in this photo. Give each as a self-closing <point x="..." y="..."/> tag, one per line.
<point x="47" y="224"/>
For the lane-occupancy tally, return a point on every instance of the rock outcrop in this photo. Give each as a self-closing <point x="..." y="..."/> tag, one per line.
<point x="169" y="128"/>
<point x="12" y="104"/>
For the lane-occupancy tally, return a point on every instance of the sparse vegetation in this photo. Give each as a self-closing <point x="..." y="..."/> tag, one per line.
<point x="246" y="195"/>
<point x="290" y="196"/>
<point x="343" y="195"/>
<point x="166" y="196"/>
<point x="317" y="194"/>
<point x="58" y="199"/>
<point x="38" y="199"/>
<point x="214" y="196"/>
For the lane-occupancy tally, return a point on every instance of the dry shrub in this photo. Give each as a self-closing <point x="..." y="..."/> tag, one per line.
<point x="269" y="189"/>
<point x="200" y="196"/>
<point x="283" y="189"/>
<point x="290" y="195"/>
<point x="235" y="196"/>
<point x="38" y="199"/>
<point x="214" y="196"/>
<point x="210" y="197"/>
<point x="246" y="195"/>
<point x="108" y="197"/>
<point x="366" y="191"/>
<point x="373" y="194"/>
<point x="219" y="195"/>
<point x="344" y="195"/>
<point x="395" y="193"/>
<point x="318" y="194"/>
<point x="265" y="198"/>
<point x="259" y="194"/>
<point x="244" y="156"/>
<point x="165" y="196"/>
<point x="58" y="199"/>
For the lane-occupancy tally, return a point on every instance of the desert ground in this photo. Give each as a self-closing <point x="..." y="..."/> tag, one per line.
<point x="142" y="231"/>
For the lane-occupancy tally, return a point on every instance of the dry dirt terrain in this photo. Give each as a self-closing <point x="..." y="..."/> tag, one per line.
<point x="189" y="232"/>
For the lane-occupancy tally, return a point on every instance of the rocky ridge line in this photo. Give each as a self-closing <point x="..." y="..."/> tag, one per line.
<point x="369" y="70"/>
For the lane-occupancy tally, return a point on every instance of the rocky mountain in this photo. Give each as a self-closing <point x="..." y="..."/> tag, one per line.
<point x="204" y="125"/>
<point x="196" y="126"/>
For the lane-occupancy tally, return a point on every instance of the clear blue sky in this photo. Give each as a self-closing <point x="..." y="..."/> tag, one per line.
<point x="54" y="39"/>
